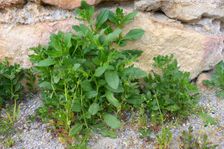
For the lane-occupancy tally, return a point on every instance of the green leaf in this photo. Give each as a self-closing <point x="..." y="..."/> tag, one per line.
<point x="86" y="12"/>
<point x="135" y="73"/>
<point x="110" y="97"/>
<point x="113" y="36"/>
<point x="112" y="79"/>
<point x="173" y="108"/>
<point x="56" y="79"/>
<point x="60" y="42"/>
<point x="120" y="89"/>
<point x="91" y="94"/>
<point x="135" y="100"/>
<point x="76" y="106"/>
<point x="99" y="71"/>
<point x="86" y="85"/>
<point x="45" y="63"/>
<point x="134" y="34"/>
<point x="54" y="53"/>
<point x="207" y="119"/>
<point x="108" y="133"/>
<point x="94" y="108"/>
<point x="82" y="30"/>
<point x="112" y="121"/>
<point x="75" y="129"/>
<point x="67" y="40"/>
<point x="76" y="66"/>
<point x="220" y="94"/>
<point x="132" y="53"/>
<point x="45" y="85"/>
<point x="102" y="17"/>
<point x="130" y="17"/>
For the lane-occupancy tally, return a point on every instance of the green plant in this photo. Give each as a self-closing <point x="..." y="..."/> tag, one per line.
<point x="31" y="81"/>
<point x="84" y="80"/>
<point x="217" y="79"/>
<point x="207" y="119"/>
<point x="7" y="122"/>
<point x="5" y="126"/>
<point x="191" y="142"/>
<point x="164" y="138"/>
<point x="9" y="142"/>
<point x="11" y="88"/>
<point x="169" y="91"/>
<point x="11" y="91"/>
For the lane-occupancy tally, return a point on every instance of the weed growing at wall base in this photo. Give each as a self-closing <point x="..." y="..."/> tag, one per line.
<point x="85" y="81"/>
<point x="170" y="93"/>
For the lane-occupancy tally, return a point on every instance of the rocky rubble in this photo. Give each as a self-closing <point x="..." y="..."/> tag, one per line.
<point x="185" y="10"/>
<point x="69" y="4"/>
<point x="32" y="13"/>
<point x="11" y="3"/>
<point x="33" y="135"/>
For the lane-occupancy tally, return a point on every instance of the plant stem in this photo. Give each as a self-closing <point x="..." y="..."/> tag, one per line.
<point x="161" y="114"/>
<point x="82" y="108"/>
<point x="67" y="110"/>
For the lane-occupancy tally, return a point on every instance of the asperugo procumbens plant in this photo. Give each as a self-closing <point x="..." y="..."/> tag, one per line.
<point x="85" y="81"/>
<point x="171" y="93"/>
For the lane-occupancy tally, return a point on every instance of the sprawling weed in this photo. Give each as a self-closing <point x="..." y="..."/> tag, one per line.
<point x="84" y="80"/>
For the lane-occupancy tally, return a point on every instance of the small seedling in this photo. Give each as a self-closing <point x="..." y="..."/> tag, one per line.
<point x="9" y="142"/>
<point x="189" y="141"/>
<point x="207" y="119"/>
<point x="164" y="138"/>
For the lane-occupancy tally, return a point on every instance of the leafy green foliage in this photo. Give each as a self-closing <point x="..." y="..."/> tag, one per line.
<point x="84" y="80"/>
<point x="169" y="90"/>
<point x="190" y="142"/>
<point x="217" y="79"/>
<point x="10" y="82"/>
<point x="11" y="91"/>
<point x="111" y="121"/>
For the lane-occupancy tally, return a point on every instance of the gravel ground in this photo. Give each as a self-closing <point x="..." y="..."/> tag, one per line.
<point x="34" y="135"/>
<point x="129" y="138"/>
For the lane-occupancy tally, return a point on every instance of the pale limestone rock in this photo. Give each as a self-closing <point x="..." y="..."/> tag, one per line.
<point x="10" y="3"/>
<point x="185" y="10"/>
<point x="72" y="4"/>
<point x="69" y="4"/>
<point x="33" y="13"/>
<point x="108" y="143"/>
<point x="148" y="5"/>
<point x="16" y="40"/>
<point x="194" y="51"/>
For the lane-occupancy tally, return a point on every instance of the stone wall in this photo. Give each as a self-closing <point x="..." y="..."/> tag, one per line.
<point x="192" y="30"/>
